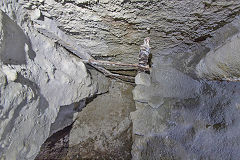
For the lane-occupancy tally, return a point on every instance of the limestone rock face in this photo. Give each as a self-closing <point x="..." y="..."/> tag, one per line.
<point x="142" y="79"/>
<point x="44" y="88"/>
<point x="34" y="89"/>
<point x="103" y="128"/>
<point x="223" y="62"/>
<point x="104" y="25"/>
<point x="180" y="116"/>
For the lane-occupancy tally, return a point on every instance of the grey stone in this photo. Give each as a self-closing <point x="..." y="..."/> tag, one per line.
<point x="32" y="92"/>
<point x="143" y="79"/>
<point x="222" y="62"/>
<point x="167" y="83"/>
<point x="177" y="115"/>
<point x="105" y="25"/>
<point x="10" y="73"/>
<point x="11" y="34"/>
<point x="104" y="126"/>
<point x="36" y="14"/>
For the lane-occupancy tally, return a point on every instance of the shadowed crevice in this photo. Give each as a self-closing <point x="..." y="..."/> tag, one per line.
<point x="15" y="43"/>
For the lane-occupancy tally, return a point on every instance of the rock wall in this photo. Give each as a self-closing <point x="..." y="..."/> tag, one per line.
<point x="33" y="91"/>
<point x="103" y="129"/>
<point x="181" y="114"/>
<point x="178" y="115"/>
<point x="222" y="63"/>
<point x="103" y="26"/>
